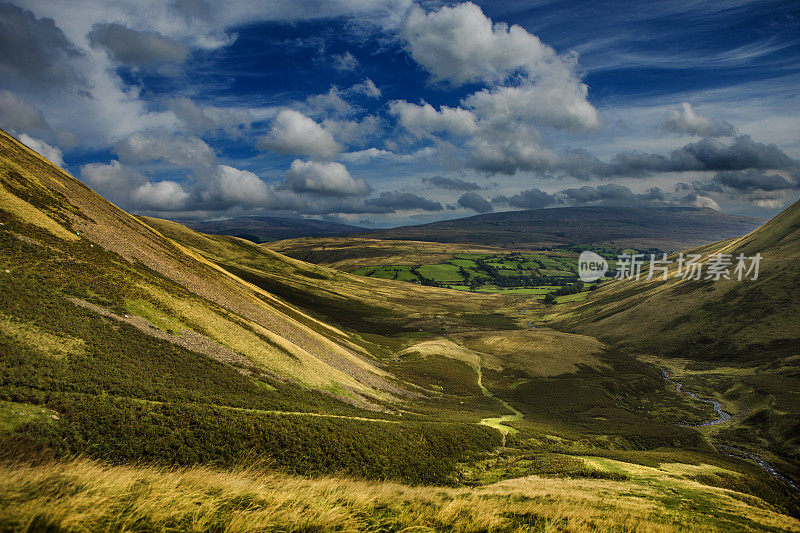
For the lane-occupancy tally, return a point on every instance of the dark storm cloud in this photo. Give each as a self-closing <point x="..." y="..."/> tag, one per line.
<point x="33" y="52"/>
<point x="611" y="194"/>
<point x="744" y="153"/>
<point x="16" y="114"/>
<point x="532" y="199"/>
<point x="703" y="155"/>
<point x="752" y="180"/>
<point x="137" y="48"/>
<point x="475" y="202"/>
<point x="452" y="184"/>
<point x="393" y="201"/>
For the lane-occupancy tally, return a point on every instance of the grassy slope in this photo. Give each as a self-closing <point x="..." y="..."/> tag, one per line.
<point x="751" y="320"/>
<point x="350" y="253"/>
<point x="736" y="341"/>
<point x="86" y="495"/>
<point x="199" y="375"/>
<point x="173" y="358"/>
<point x="149" y="267"/>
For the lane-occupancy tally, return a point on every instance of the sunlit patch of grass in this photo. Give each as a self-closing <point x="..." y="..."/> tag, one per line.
<point x="15" y="414"/>
<point x="37" y="339"/>
<point x="25" y="211"/>
<point x="577" y="297"/>
<point x="539" y="352"/>
<point x="441" y="273"/>
<point x="160" y="319"/>
<point x="263" y="347"/>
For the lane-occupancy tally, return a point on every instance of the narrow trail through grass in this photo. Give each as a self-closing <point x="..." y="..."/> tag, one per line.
<point x="498" y="422"/>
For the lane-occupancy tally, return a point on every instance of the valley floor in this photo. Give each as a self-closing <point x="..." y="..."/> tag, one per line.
<point x="83" y="495"/>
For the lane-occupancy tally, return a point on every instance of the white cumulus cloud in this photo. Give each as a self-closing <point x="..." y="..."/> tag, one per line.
<point x="323" y="178"/>
<point x="460" y="44"/>
<point x="52" y="153"/>
<point x="423" y="119"/>
<point x="528" y="85"/>
<point x="160" y="196"/>
<point x="239" y="187"/>
<point x="294" y="133"/>
<point x="687" y="121"/>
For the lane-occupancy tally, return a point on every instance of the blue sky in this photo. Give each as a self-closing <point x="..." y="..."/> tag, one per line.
<point x="389" y="112"/>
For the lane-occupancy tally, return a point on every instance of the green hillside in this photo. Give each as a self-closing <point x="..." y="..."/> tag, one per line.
<point x="190" y="379"/>
<point x="748" y="320"/>
<point x="738" y="341"/>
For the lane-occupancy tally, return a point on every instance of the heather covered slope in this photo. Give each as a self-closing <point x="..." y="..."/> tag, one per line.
<point x="152" y="272"/>
<point x="137" y="348"/>
<point x="665" y="228"/>
<point x="748" y="320"/>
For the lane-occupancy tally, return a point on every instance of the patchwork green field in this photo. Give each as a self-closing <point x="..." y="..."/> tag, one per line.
<point x="513" y="273"/>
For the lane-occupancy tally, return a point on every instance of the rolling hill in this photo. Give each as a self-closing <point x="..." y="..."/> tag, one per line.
<point x="154" y="377"/>
<point x="263" y="229"/>
<point x="350" y="253"/>
<point x="665" y="228"/>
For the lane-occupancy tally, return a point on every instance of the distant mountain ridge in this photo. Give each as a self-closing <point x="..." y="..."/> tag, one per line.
<point x="263" y="229"/>
<point x="665" y="228"/>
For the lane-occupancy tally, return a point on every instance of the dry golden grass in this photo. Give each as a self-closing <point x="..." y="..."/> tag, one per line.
<point x="86" y="496"/>
<point x="540" y="352"/>
<point x="25" y="211"/>
<point x="447" y="348"/>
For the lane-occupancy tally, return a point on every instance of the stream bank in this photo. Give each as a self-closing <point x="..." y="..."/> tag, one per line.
<point x="724" y="416"/>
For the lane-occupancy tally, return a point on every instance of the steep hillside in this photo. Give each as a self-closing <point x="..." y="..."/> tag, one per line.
<point x="144" y="350"/>
<point x="735" y="341"/>
<point x="665" y="228"/>
<point x="136" y="267"/>
<point x="750" y="320"/>
<point x="263" y="229"/>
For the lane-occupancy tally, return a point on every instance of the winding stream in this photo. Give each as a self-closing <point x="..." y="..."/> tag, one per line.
<point x="724" y="416"/>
